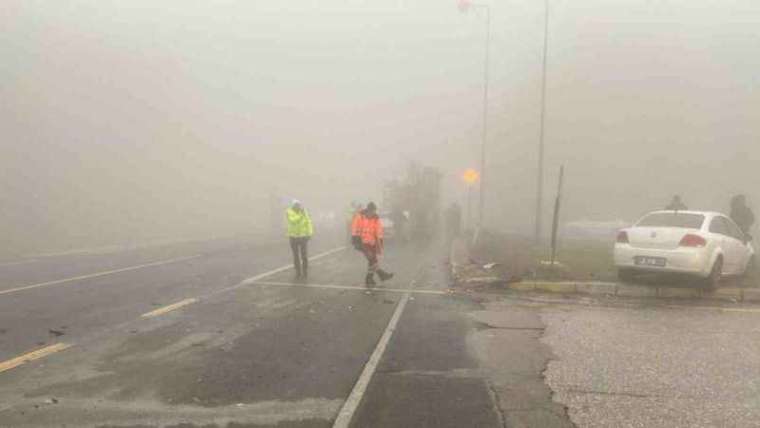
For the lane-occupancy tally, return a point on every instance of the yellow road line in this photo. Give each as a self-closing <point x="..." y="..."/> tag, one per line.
<point x="96" y="275"/>
<point x="34" y="355"/>
<point x="169" y="308"/>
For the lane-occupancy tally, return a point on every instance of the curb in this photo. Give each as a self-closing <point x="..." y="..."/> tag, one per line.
<point x="730" y="294"/>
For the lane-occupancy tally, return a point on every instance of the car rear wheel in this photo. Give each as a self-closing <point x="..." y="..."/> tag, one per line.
<point x="716" y="274"/>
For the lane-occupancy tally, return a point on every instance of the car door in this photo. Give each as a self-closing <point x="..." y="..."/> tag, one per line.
<point x="739" y="241"/>
<point x="719" y="229"/>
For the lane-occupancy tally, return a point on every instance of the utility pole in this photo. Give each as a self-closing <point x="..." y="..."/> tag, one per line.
<point x="486" y="61"/>
<point x="555" y="220"/>
<point x="464" y="5"/>
<point x="470" y="177"/>
<point x="540" y="177"/>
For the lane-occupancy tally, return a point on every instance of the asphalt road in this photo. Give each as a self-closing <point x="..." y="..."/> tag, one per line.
<point x="220" y="335"/>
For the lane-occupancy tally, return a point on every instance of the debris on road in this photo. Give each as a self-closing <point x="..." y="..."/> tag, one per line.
<point x="474" y="275"/>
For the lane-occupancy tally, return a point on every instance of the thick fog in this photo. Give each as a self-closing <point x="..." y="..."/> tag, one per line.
<point x="134" y="121"/>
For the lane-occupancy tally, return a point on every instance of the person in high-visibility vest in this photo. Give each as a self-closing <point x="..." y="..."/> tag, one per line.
<point x="300" y="230"/>
<point x="367" y="232"/>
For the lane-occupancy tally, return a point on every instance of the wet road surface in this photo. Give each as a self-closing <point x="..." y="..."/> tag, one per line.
<point x="224" y="337"/>
<point x="221" y="335"/>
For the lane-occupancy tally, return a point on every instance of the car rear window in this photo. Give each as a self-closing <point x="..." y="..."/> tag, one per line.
<point x="680" y="220"/>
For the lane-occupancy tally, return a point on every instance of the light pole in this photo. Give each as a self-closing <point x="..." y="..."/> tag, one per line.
<point x="470" y="177"/>
<point x="540" y="177"/>
<point x="464" y="5"/>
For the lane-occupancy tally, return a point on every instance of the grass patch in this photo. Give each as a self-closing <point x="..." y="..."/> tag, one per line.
<point x="577" y="260"/>
<point x="587" y="260"/>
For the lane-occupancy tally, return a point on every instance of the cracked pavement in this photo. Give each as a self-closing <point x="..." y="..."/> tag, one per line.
<point x="645" y="365"/>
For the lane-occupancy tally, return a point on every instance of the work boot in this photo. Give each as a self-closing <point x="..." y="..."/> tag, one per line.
<point x="384" y="276"/>
<point x="370" y="280"/>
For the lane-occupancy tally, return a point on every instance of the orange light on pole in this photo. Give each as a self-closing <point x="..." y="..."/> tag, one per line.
<point x="470" y="176"/>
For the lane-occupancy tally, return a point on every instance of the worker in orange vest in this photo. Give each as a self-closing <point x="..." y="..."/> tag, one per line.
<point x="367" y="234"/>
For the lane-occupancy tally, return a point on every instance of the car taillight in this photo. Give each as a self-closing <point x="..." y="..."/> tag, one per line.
<point x="622" y="237"/>
<point x="692" y="241"/>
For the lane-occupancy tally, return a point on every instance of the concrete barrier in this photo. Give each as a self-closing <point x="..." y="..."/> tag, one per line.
<point x="680" y="293"/>
<point x="555" y="287"/>
<point x="605" y="288"/>
<point x="728" y="294"/>
<point x="628" y="290"/>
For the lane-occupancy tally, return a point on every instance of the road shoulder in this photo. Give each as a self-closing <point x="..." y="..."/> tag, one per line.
<point x="507" y="344"/>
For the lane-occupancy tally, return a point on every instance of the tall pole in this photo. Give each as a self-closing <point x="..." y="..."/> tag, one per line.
<point x="469" y="205"/>
<point x="540" y="178"/>
<point x="555" y="220"/>
<point x="486" y="61"/>
<point x="465" y="5"/>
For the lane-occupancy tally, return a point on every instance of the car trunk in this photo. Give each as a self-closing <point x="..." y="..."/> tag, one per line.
<point x="666" y="238"/>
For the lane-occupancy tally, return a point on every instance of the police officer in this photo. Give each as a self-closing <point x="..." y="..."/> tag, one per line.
<point x="300" y="230"/>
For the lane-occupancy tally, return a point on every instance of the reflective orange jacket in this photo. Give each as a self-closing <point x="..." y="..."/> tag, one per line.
<point x="370" y="229"/>
<point x="356" y="224"/>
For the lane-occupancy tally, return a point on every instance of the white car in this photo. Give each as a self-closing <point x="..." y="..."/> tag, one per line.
<point x="704" y="244"/>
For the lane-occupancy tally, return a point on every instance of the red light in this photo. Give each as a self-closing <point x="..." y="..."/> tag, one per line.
<point x="692" y="241"/>
<point x="622" y="237"/>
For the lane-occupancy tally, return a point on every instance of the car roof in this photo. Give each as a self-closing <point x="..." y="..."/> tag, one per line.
<point x="709" y="215"/>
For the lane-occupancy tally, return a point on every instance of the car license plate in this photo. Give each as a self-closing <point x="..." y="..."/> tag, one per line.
<point x="650" y="261"/>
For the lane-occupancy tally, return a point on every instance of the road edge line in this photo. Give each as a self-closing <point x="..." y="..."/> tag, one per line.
<point x="192" y="300"/>
<point x="255" y="278"/>
<point x="19" y="262"/>
<point x="346" y="413"/>
<point x="97" y="274"/>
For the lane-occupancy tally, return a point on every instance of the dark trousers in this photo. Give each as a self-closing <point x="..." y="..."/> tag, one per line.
<point x="300" y="255"/>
